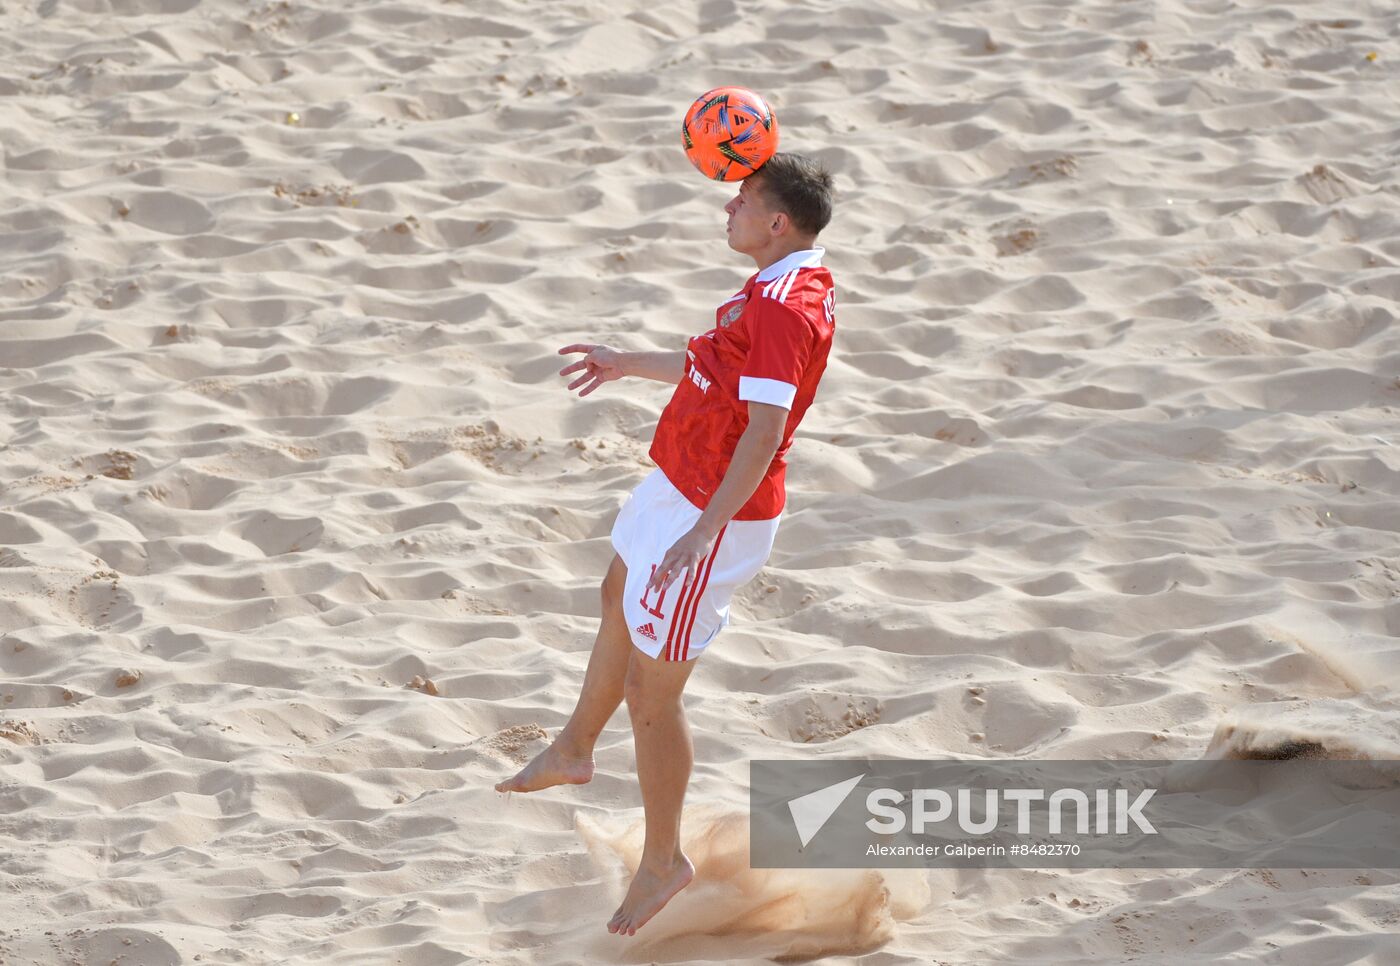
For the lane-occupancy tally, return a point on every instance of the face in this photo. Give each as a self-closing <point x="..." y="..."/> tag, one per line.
<point x="750" y="218"/>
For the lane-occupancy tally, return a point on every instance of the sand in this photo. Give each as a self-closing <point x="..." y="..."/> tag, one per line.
<point x="301" y="534"/>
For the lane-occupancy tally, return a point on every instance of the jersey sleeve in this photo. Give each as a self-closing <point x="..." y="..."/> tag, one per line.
<point x="781" y="344"/>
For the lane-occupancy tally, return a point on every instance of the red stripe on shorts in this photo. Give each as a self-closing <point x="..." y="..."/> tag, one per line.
<point x="695" y="605"/>
<point x="687" y="587"/>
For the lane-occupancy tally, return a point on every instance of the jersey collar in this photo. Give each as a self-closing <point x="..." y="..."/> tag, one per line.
<point x="807" y="258"/>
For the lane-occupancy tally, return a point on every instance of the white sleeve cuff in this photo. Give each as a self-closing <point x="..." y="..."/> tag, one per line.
<point x="774" y="392"/>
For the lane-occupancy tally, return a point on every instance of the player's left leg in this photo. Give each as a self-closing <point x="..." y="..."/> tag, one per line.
<point x="665" y="754"/>
<point x="569" y="758"/>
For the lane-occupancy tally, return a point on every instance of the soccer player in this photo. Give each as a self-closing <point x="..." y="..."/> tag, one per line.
<point x="708" y="514"/>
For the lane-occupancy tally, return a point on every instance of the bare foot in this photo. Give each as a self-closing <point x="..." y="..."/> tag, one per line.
<point x="550" y="767"/>
<point x="650" y="890"/>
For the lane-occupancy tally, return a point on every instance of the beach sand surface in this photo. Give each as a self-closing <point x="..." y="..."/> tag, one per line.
<point x="301" y="533"/>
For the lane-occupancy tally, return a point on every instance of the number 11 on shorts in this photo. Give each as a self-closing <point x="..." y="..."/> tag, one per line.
<point x="660" y="601"/>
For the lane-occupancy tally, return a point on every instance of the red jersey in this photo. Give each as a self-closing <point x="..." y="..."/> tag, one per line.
<point x="769" y="344"/>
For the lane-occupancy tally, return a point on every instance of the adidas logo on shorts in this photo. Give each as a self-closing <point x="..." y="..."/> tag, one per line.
<point x="646" y="630"/>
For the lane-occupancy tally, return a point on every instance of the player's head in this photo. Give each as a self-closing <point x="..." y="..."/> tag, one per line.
<point x="788" y="200"/>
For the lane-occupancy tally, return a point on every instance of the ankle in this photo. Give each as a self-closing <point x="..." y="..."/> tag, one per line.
<point x="568" y="746"/>
<point x="667" y="862"/>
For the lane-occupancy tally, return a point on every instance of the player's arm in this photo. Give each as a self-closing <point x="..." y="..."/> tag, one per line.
<point x="782" y="345"/>
<point x="604" y="364"/>
<point x="668" y="367"/>
<point x="752" y="456"/>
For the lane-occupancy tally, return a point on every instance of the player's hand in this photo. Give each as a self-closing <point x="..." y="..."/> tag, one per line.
<point x="685" y="555"/>
<point x="603" y="364"/>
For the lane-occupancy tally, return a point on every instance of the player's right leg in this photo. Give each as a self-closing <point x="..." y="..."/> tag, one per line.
<point x="569" y="759"/>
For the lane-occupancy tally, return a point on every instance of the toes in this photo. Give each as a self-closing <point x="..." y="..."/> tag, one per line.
<point x="618" y="923"/>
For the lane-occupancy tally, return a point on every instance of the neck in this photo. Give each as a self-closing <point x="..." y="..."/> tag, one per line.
<point x="780" y="248"/>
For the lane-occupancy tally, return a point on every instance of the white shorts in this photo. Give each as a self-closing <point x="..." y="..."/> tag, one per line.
<point x="680" y="622"/>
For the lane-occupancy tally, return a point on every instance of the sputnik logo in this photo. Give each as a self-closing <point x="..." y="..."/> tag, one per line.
<point x="811" y="811"/>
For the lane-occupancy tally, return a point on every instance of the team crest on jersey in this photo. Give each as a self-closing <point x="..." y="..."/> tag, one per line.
<point x="732" y="313"/>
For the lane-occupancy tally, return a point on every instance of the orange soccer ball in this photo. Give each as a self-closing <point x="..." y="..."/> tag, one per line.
<point x="729" y="133"/>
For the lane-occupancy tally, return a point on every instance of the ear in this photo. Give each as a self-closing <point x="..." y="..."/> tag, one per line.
<point x="779" y="223"/>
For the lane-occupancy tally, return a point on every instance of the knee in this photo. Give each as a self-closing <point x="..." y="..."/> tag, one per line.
<point x="643" y="696"/>
<point x="634" y="690"/>
<point x="613" y="584"/>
